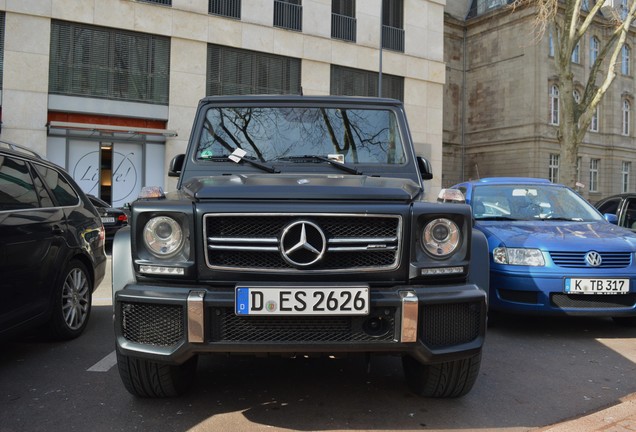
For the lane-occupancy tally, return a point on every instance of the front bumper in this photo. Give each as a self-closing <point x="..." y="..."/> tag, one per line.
<point x="544" y="295"/>
<point x="172" y="324"/>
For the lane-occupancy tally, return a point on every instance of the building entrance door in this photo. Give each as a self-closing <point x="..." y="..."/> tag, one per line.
<point x="112" y="171"/>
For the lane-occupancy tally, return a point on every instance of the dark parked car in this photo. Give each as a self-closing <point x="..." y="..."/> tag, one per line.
<point x="623" y="206"/>
<point x="551" y="252"/>
<point x="113" y="218"/>
<point x="51" y="247"/>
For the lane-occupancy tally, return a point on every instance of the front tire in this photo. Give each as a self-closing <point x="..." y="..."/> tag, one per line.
<point x="72" y="302"/>
<point x="149" y="379"/>
<point x="441" y="380"/>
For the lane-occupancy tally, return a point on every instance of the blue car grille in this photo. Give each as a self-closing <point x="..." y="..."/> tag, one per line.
<point x="577" y="259"/>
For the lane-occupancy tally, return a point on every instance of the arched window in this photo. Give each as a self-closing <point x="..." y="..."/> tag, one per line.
<point x="625" y="59"/>
<point x="577" y="96"/>
<point x="554" y="105"/>
<point x="627" y="110"/>
<point x="595" y="46"/>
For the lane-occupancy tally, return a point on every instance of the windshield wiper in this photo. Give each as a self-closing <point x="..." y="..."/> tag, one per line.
<point x="315" y="158"/>
<point x="495" y="218"/>
<point x="238" y="156"/>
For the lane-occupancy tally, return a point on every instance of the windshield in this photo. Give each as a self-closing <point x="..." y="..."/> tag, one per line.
<point x="530" y="202"/>
<point x="351" y="136"/>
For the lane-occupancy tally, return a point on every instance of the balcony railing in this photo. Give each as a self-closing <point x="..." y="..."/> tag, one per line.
<point x="288" y="16"/>
<point x="393" y="38"/>
<point x="226" y="8"/>
<point x="343" y="27"/>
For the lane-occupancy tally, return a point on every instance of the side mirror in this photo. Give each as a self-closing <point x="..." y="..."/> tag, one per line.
<point x="426" y="170"/>
<point x="176" y="165"/>
<point x="611" y="218"/>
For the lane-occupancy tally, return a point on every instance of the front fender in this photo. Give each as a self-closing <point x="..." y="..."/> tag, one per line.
<point x="123" y="272"/>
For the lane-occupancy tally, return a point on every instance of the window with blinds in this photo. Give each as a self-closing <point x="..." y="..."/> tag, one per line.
<point x="233" y="71"/>
<point x="160" y="2"/>
<point x="356" y="82"/>
<point x="226" y="8"/>
<point x="105" y="63"/>
<point x="1" y="47"/>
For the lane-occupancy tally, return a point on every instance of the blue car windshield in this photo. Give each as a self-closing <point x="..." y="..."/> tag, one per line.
<point x="530" y="202"/>
<point x="296" y="134"/>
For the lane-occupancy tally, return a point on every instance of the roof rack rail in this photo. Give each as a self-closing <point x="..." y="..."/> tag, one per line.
<point x="19" y="148"/>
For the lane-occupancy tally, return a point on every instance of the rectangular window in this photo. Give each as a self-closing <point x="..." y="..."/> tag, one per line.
<point x="626" y="168"/>
<point x="594" y="123"/>
<point x="159" y="2"/>
<point x="105" y="63"/>
<point x="356" y="82"/>
<point x="594" y="168"/>
<point x="553" y="168"/>
<point x="576" y="54"/>
<point x="288" y="14"/>
<point x="343" y="20"/>
<point x="578" y="169"/>
<point x="226" y="8"/>
<point x="233" y="71"/>
<point x="393" y="25"/>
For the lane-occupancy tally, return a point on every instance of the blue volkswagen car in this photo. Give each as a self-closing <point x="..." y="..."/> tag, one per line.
<point x="551" y="252"/>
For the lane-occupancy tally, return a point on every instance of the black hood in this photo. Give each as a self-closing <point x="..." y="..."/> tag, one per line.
<point x="299" y="186"/>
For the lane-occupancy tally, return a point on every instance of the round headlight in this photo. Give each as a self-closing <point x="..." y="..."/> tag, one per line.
<point x="441" y="237"/>
<point x="163" y="236"/>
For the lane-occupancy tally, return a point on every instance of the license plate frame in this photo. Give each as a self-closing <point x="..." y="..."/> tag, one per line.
<point x="298" y="300"/>
<point x="596" y="286"/>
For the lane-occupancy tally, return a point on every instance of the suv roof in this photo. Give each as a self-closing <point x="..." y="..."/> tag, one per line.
<point x="18" y="149"/>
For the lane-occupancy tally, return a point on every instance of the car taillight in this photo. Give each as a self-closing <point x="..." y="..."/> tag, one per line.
<point x="122" y="218"/>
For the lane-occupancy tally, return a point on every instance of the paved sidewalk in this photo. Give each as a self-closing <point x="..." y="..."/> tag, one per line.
<point x="617" y="418"/>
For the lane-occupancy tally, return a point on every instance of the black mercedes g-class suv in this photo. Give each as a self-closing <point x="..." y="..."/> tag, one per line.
<point x="298" y="227"/>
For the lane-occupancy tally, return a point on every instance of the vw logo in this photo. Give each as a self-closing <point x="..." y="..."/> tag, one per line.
<point x="302" y="243"/>
<point x="593" y="259"/>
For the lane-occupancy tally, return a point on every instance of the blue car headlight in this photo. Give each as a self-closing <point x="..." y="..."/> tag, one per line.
<point x="518" y="256"/>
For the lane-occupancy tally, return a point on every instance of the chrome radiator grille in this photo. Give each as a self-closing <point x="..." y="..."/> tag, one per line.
<point x="352" y="242"/>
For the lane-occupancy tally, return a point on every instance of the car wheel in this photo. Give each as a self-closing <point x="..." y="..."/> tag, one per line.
<point x="625" y="321"/>
<point x="72" y="303"/>
<point x="149" y="379"/>
<point x="441" y="380"/>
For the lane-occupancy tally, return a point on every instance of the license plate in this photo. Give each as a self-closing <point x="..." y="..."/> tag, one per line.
<point x="108" y="220"/>
<point x="315" y="300"/>
<point x="596" y="286"/>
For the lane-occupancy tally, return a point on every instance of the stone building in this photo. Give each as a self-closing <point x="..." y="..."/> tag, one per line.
<point x="108" y="88"/>
<point x="501" y="102"/>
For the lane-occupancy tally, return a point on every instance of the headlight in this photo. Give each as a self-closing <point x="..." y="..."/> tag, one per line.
<point x="518" y="256"/>
<point x="441" y="237"/>
<point x="163" y="236"/>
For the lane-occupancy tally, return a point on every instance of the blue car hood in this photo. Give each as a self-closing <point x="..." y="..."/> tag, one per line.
<point x="557" y="235"/>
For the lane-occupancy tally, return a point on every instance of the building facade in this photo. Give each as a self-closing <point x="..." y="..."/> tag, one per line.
<point x="108" y="88"/>
<point x="502" y="109"/>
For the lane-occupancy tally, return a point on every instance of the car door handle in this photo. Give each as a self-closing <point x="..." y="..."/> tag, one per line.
<point x="57" y="229"/>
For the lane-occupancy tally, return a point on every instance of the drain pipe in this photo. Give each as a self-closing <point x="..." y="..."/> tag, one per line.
<point x="463" y="107"/>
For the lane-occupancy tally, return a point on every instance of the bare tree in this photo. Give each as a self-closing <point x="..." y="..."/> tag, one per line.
<point x="569" y="21"/>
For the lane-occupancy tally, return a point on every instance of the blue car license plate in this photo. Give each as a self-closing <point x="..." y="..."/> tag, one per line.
<point x="302" y="300"/>
<point x="596" y="286"/>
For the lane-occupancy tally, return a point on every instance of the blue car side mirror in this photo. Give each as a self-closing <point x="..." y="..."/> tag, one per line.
<point x="611" y="218"/>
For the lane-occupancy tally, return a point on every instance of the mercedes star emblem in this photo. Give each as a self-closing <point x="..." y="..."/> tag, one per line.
<point x="302" y="243"/>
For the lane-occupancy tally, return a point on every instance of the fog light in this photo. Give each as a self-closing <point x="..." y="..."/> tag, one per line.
<point x="161" y="270"/>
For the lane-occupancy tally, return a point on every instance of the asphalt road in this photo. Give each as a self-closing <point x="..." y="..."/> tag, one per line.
<point x="535" y="372"/>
